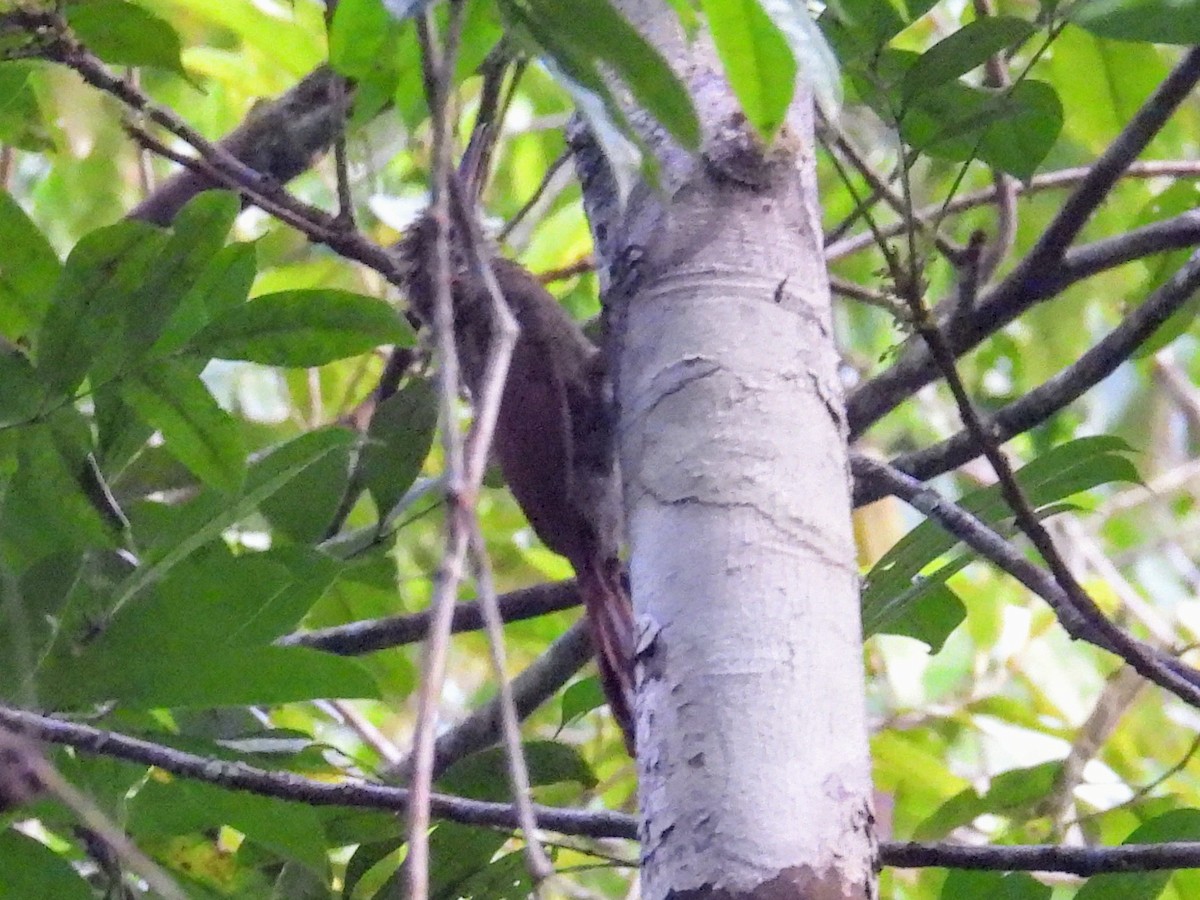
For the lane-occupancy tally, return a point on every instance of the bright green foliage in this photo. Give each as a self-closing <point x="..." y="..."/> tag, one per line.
<point x="181" y="484"/>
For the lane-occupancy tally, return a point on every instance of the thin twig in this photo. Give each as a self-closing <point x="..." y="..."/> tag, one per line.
<point x="544" y="677"/>
<point x="295" y="788"/>
<point x="15" y="743"/>
<point x="1010" y="298"/>
<point x="372" y="635"/>
<point x="536" y="860"/>
<point x="1087" y="624"/>
<point x="586" y="823"/>
<point x="502" y="340"/>
<point x="439" y="66"/>
<point x="837" y="248"/>
<point x="535" y="197"/>
<point x="1039" y="404"/>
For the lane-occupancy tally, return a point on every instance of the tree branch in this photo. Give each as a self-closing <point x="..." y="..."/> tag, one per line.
<point x="280" y="140"/>
<point x="1081" y="861"/>
<point x="533" y="687"/>
<point x="837" y="248"/>
<point x="292" y="787"/>
<point x="1013" y="295"/>
<point x="1039" y="404"/>
<point x="371" y="635"/>
<point x="1165" y="671"/>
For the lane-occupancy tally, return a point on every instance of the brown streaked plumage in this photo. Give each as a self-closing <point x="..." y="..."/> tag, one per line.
<point x="553" y="439"/>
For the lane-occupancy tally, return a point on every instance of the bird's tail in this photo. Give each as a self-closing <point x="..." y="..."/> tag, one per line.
<point x="602" y="586"/>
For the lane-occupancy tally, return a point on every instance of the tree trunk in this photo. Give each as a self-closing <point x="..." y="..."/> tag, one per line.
<point x="752" y="751"/>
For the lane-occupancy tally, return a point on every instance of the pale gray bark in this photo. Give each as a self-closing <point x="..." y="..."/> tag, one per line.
<point x="753" y="760"/>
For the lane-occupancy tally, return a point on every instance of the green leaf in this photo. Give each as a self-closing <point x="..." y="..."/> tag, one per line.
<point x="1012" y="131"/>
<point x="45" y="509"/>
<point x="1179" y="198"/>
<point x="1177" y="825"/>
<point x="484" y="775"/>
<point x="592" y="30"/>
<point x="22" y="123"/>
<point x="969" y="47"/>
<point x="125" y="34"/>
<point x="961" y="884"/>
<point x="859" y="28"/>
<point x="210" y="622"/>
<point x="195" y="524"/>
<point x="164" y="809"/>
<point x="170" y="397"/>
<point x="1012" y="793"/>
<point x="507" y="877"/>
<point x="29" y="268"/>
<point x="197" y="236"/>
<point x="304" y="508"/>
<point x="892" y="586"/>
<point x="224" y="284"/>
<point x="90" y="302"/>
<point x="22" y="394"/>
<point x="811" y="50"/>
<point x="928" y="612"/>
<point x="757" y="61"/>
<point x="358" y="36"/>
<point x="1156" y="21"/>
<point x="581" y="698"/>
<point x="118" y="669"/>
<point x="31" y="869"/>
<point x="457" y="854"/>
<point x="301" y="328"/>
<point x="398" y="441"/>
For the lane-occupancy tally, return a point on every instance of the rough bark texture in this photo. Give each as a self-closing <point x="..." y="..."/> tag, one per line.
<point x="755" y="778"/>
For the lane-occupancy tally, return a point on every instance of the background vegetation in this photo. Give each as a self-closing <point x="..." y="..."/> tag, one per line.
<point x="187" y="479"/>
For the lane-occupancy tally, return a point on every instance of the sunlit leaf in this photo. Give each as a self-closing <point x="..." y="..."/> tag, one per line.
<point x="301" y="328"/>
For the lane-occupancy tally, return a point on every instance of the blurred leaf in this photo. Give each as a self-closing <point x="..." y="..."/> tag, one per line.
<point x="22" y="123"/>
<point x="29" y="268"/>
<point x="90" y="301"/>
<point x="22" y="394"/>
<point x="581" y="698"/>
<point x="757" y="61"/>
<point x="301" y="328"/>
<point x="172" y="399"/>
<point x="358" y="36"/>
<point x="1177" y="199"/>
<point x="961" y="884"/>
<point x="888" y="593"/>
<point x="484" y="775"/>
<point x="1012" y="793"/>
<point x="398" y="442"/>
<point x="966" y="49"/>
<point x="31" y="869"/>
<point x="581" y="34"/>
<point x="164" y="808"/>
<point x="202" y="520"/>
<point x="223" y="284"/>
<point x="1158" y="21"/>
<point x="1177" y="825"/>
<point x="811" y="51"/>
<point x="124" y="34"/>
